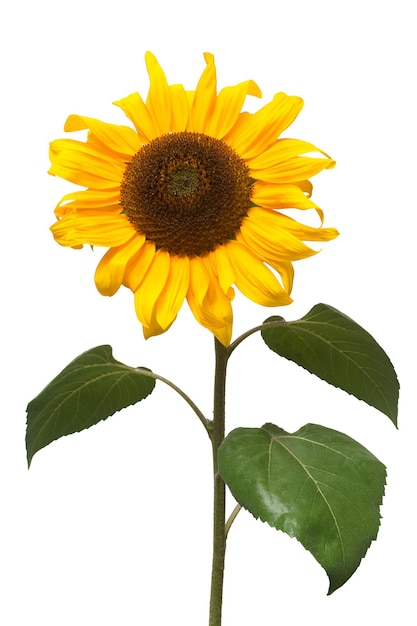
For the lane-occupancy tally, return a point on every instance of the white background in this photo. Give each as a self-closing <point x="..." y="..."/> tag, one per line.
<point x="112" y="526"/>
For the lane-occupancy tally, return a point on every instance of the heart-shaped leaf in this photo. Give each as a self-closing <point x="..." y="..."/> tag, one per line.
<point x="317" y="485"/>
<point x="88" y="390"/>
<point x="332" y="346"/>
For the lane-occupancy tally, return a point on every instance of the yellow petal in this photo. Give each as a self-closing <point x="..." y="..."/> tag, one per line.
<point x="223" y="334"/>
<point x="293" y="170"/>
<point x="204" y="97"/>
<point x="208" y="303"/>
<point x="76" y="162"/>
<point x="118" y="138"/>
<point x="158" y="101"/>
<point x="180" y="108"/>
<point x="268" y="221"/>
<point x="107" y="230"/>
<point x="138" y="266"/>
<point x="285" y="270"/>
<point x="173" y="294"/>
<point x="258" y="131"/>
<point x="228" y="105"/>
<point x="253" y="278"/>
<point x="305" y="186"/>
<point x="151" y="288"/>
<point x="280" y="151"/>
<point x="222" y="268"/>
<point x="153" y="331"/>
<point x="217" y="308"/>
<point x="111" y="269"/>
<point x="281" y="196"/>
<point x="268" y="238"/>
<point x="89" y="199"/>
<point x="135" y="109"/>
<point x="199" y="281"/>
<point x="102" y="152"/>
<point x="290" y="249"/>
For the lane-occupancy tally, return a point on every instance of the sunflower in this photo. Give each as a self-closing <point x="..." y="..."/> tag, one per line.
<point x="189" y="202"/>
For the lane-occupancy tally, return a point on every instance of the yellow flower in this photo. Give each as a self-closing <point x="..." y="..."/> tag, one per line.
<point x="187" y="203"/>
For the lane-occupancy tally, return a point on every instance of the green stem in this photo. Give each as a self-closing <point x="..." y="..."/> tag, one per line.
<point x="219" y="508"/>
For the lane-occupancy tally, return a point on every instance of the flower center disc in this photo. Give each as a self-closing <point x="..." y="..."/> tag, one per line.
<point x="187" y="192"/>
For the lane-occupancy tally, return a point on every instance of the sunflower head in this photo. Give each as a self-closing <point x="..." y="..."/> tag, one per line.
<point x="189" y="202"/>
<point x="187" y="192"/>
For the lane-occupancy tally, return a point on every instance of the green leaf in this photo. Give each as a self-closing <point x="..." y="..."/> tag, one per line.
<point x="332" y="346"/>
<point x="317" y="485"/>
<point x="88" y="390"/>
